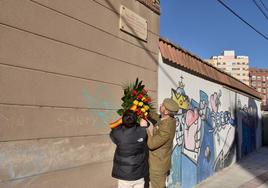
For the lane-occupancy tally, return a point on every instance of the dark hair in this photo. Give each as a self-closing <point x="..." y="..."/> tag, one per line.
<point x="129" y="118"/>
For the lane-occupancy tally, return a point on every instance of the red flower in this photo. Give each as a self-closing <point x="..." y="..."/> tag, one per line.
<point x="148" y="99"/>
<point x="139" y="96"/>
<point x="134" y="92"/>
<point x="139" y="112"/>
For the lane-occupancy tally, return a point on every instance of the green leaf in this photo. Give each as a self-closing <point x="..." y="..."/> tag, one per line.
<point x="140" y="88"/>
<point x="120" y="112"/>
<point x="140" y="84"/>
<point x="136" y="83"/>
<point x="123" y="98"/>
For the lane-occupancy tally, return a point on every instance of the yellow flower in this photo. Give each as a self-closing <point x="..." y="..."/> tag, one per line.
<point x="143" y="98"/>
<point x="146" y="107"/>
<point x="143" y="110"/>
<point x="136" y="102"/>
<point x="140" y="103"/>
<point x="146" y="113"/>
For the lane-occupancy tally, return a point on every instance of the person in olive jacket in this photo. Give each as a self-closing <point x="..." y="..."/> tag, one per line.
<point x="160" y="141"/>
<point x="130" y="163"/>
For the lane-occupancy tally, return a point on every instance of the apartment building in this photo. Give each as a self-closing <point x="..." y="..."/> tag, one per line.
<point x="236" y="66"/>
<point x="259" y="80"/>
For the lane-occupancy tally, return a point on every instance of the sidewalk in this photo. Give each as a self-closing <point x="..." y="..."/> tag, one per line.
<point x="251" y="172"/>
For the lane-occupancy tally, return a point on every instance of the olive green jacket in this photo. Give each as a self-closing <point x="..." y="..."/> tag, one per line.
<point x="160" y="145"/>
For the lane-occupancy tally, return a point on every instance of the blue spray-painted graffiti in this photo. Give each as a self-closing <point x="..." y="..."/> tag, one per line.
<point x="106" y="114"/>
<point x="207" y="155"/>
<point x="249" y="116"/>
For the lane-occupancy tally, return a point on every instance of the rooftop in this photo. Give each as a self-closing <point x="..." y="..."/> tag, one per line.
<point x="253" y="69"/>
<point x="194" y="64"/>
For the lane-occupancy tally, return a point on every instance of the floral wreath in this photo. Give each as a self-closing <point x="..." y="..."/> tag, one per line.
<point x="135" y="98"/>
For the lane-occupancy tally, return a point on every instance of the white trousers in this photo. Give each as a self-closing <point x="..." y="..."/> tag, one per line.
<point x="131" y="184"/>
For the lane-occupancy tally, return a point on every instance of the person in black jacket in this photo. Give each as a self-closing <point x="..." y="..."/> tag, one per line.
<point x="130" y="164"/>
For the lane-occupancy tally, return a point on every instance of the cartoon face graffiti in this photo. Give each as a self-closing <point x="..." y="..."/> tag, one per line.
<point x="192" y="132"/>
<point x="180" y="99"/>
<point x="179" y="96"/>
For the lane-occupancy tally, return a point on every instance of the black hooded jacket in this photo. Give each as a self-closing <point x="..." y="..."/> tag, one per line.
<point x="131" y="154"/>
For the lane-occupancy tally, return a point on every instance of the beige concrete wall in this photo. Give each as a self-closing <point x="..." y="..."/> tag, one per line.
<point x="62" y="65"/>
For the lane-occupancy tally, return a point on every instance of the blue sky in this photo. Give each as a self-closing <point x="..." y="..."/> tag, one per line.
<point x="206" y="28"/>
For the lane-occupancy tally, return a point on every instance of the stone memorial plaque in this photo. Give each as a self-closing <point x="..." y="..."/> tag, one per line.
<point x="132" y="23"/>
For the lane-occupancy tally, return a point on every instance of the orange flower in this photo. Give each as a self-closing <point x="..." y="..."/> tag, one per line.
<point x="133" y="107"/>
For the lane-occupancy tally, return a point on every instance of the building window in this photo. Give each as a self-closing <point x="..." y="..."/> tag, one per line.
<point x="258" y="78"/>
<point x="259" y="89"/>
<point x="253" y="84"/>
<point x="253" y="77"/>
<point x="218" y="63"/>
<point x="224" y="63"/>
<point x="233" y="63"/>
<point x="235" y="68"/>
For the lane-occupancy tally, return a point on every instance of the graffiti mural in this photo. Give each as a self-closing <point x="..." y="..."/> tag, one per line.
<point x="204" y="141"/>
<point x="249" y="115"/>
<point x="213" y="129"/>
<point x="223" y="132"/>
